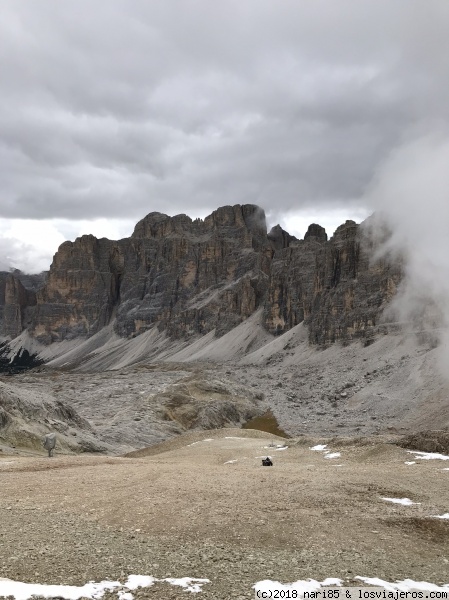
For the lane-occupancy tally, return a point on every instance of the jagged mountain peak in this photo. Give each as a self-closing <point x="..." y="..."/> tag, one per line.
<point x="188" y="277"/>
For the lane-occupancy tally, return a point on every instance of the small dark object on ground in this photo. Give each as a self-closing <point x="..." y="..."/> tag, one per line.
<point x="267" y="462"/>
<point x="49" y="443"/>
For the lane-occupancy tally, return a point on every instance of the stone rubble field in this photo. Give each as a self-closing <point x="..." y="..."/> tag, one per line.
<point x="395" y="385"/>
<point x="201" y="506"/>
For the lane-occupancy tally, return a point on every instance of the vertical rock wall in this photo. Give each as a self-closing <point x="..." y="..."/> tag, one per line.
<point x="192" y="276"/>
<point x="16" y="303"/>
<point x="336" y="287"/>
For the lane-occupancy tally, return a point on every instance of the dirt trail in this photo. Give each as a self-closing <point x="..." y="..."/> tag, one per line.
<point x="189" y="511"/>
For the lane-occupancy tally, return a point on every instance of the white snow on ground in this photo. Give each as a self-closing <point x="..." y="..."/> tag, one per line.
<point x="428" y="455"/>
<point x="230" y="462"/>
<point x="403" y="586"/>
<point x="200" y="442"/>
<point x="404" y="501"/>
<point x="187" y="582"/>
<point x="136" y="581"/>
<point x="302" y="585"/>
<point x="445" y="516"/>
<point x="276" y="447"/>
<point x="24" y="591"/>
<point x="410" y="462"/>
<point x="327" y="453"/>
<point x="191" y="584"/>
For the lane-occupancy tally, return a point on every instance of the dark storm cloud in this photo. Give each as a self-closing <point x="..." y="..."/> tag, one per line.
<point x="119" y="108"/>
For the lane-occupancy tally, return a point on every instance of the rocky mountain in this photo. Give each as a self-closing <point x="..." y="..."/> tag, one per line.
<point x="190" y="324"/>
<point x="27" y="415"/>
<point x="17" y="299"/>
<point x="188" y="277"/>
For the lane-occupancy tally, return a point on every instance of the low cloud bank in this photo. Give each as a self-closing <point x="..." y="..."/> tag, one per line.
<point x="411" y="195"/>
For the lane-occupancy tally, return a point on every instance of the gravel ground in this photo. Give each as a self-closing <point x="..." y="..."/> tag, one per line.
<point x="187" y="511"/>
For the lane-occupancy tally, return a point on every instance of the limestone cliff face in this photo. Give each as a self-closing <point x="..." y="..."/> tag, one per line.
<point x="334" y="286"/>
<point x="17" y="302"/>
<point x="197" y="275"/>
<point x="3" y="276"/>
<point x="192" y="276"/>
<point x="185" y="276"/>
<point x="81" y="289"/>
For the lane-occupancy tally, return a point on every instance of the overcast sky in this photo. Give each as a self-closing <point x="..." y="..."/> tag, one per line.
<point x="112" y="109"/>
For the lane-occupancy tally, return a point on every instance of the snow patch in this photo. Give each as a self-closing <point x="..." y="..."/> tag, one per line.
<point x="410" y="462"/>
<point x="428" y="455"/>
<point x="200" y="442"/>
<point x="445" y="516"/>
<point x="403" y="586"/>
<point x="327" y="453"/>
<point x="230" y="462"/>
<point x="190" y="584"/>
<point x="404" y="501"/>
<point x="24" y="591"/>
<point x="135" y="581"/>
